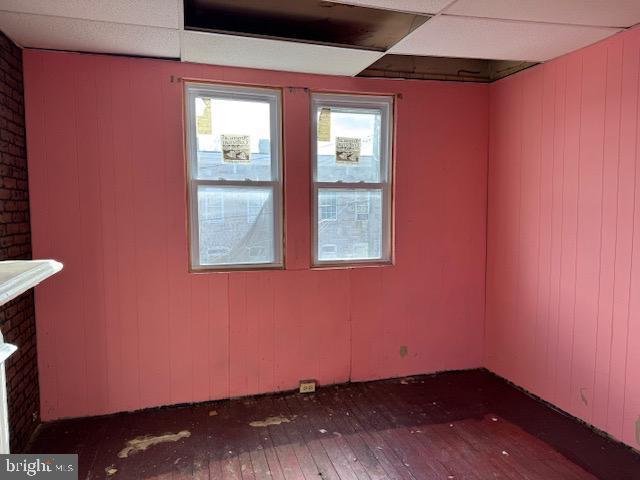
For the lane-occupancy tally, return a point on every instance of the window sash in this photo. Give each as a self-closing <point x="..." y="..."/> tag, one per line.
<point x="357" y="103"/>
<point x="271" y="96"/>
<point x="195" y="226"/>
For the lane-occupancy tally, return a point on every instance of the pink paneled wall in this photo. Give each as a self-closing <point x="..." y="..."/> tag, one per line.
<point x="126" y="326"/>
<point x="563" y="280"/>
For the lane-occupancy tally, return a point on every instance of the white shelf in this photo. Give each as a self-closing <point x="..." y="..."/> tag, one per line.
<point x="18" y="276"/>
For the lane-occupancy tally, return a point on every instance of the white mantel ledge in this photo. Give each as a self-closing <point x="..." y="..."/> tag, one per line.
<point x="18" y="276"/>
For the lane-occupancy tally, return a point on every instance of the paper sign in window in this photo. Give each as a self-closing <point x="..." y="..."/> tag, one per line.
<point x="203" y="116"/>
<point x="347" y="150"/>
<point x="236" y="148"/>
<point x="324" y="125"/>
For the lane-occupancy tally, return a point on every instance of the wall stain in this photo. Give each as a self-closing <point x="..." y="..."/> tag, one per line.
<point x="404" y="351"/>
<point x="583" y="396"/>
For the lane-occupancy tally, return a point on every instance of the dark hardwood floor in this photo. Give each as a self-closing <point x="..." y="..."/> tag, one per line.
<point x="458" y="425"/>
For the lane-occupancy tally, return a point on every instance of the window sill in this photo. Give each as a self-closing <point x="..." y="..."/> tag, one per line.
<point x="245" y="269"/>
<point x="351" y="266"/>
<point x="328" y="266"/>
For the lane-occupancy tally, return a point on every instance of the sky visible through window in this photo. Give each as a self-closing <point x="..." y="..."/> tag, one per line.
<point x="234" y="117"/>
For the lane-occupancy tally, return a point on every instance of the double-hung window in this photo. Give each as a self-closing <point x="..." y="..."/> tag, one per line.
<point x="351" y="154"/>
<point x="235" y="189"/>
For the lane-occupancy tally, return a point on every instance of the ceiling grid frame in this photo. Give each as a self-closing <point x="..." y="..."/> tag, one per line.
<point x="531" y="31"/>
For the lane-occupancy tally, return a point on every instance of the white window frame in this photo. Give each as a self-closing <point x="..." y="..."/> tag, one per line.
<point x="385" y="105"/>
<point x="274" y="98"/>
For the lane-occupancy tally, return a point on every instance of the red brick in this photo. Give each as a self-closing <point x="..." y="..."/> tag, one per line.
<point x="17" y="318"/>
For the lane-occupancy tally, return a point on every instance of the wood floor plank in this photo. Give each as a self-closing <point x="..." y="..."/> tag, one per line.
<point x="341" y="461"/>
<point x="467" y="425"/>
<point x="308" y="433"/>
<point x="392" y="463"/>
<point x="258" y="410"/>
<point x="282" y="444"/>
<point x="394" y="438"/>
<point x="331" y="432"/>
<point x="342" y="424"/>
<point x="310" y="470"/>
<point x="426" y="460"/>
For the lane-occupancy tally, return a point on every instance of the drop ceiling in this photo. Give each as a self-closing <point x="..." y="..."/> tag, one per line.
<point x="344" y="37"/>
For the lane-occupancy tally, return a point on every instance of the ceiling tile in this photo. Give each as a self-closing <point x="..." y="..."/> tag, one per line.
<point x="608" y="13"/>
<point x="451" y="36"/>
<point x="158" y="13"/>
<point x="417" y="6"/>
<point x="238" y="51"/>
<point x="61" y="33"/>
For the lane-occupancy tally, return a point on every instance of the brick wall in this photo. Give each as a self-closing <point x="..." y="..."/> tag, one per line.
<point x="17" y="320"/>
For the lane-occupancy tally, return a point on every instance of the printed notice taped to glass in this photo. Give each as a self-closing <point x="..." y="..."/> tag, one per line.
<point x="203" y="116"/>
<point x="236" y="148"/>
<point x="44" y="466"/>
<point x="324" y="125"/>
<point x="347" y="150"/>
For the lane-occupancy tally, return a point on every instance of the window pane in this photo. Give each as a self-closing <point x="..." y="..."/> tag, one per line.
<point x="235" y="225"/>
<point x="355" y="231"/>
<point x="243" y="128"/>
<point x="350" y="123"/>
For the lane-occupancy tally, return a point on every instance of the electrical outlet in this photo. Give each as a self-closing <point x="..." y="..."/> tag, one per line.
<point x="307" y="386"/>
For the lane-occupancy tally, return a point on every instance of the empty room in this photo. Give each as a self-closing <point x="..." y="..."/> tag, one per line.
<point x="309" y="239"/>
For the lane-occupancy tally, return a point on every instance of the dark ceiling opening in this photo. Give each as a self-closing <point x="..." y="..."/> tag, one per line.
<point x="443" y="68"/>
<point x="310" y="21"/>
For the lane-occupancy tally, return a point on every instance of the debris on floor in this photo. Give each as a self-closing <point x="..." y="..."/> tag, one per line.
<point x="110" y="470"/>
<point x="139" y="444"/>
<point x="271" y="421"/>
<point x="213" y="413"/>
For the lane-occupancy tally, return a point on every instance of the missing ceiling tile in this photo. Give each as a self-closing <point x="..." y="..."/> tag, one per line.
<point x="442" y="68"/>
<point x="309" y="21"/>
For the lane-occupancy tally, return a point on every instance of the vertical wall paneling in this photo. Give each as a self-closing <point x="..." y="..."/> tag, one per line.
<point x="41" y="223"/>
<point x="625" y="227"/>
<point x="127" y="320"/>
<point x="63" y="173"/>
<point x="610" y="150"/>
<point x="127" y="326"/>
<point x="91" y="296"/>
<point x="573" y="336"/>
